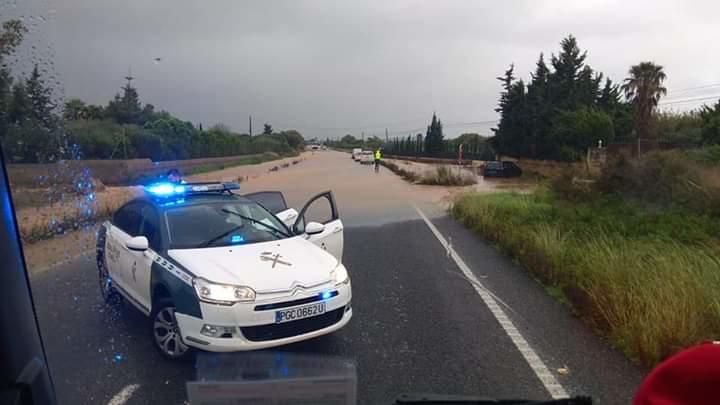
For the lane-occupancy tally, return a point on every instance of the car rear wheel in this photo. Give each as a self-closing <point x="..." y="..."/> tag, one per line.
<point x="166" y="332"/>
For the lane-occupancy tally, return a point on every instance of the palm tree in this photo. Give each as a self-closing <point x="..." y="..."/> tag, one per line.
<point x="75" y="109"/>
<point x="643" y="89"/>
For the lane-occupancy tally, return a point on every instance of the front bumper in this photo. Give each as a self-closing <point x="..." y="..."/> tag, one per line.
<point x="257" y="324"/>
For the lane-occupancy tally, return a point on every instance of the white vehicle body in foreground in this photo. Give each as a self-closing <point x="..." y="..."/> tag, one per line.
<point x="309" y="275"/>
<point x="232" y="297"/>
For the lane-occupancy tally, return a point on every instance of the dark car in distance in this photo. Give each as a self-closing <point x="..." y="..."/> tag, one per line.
<point x="501" y="169"/>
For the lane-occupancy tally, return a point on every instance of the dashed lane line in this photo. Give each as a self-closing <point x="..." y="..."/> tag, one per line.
<point x="124" y="395"/>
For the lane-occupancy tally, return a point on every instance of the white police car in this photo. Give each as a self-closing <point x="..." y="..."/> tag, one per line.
<point x="223" y="272"/>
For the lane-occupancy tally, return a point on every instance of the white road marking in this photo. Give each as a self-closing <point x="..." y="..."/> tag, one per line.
<point x="124" y="395"/>
<point x="536" y="364"/>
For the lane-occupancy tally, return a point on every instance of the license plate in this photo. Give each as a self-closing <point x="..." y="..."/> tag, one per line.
<point x="293" y="314"/>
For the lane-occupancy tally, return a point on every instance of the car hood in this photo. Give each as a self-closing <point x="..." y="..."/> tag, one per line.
<point x="252" y="265"/>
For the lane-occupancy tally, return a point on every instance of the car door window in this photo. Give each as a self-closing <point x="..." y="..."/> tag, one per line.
<point x="150" y="226"/>
<point x="320" y="208"/>
<point x="273" y="201"/>
<point x="128" y="219"/>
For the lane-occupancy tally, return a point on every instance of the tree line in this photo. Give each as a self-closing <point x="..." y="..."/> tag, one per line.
<point x="434" y="144"/>
<point x="33" y="128"/>
<point x="567" y="108"/>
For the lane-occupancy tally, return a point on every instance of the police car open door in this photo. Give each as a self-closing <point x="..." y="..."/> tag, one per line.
<point x="322" y="209"/>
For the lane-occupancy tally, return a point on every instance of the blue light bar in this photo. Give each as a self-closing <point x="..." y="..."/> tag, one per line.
<point x="165" y="189"/>
<point x="237" y="239"/>
<point x="207" y="187"/>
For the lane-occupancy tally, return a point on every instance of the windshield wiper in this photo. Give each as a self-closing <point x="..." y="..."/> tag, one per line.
<point x="221" y="236"/>
<point x="272" y="228"/>
<point x="435" y="399"/>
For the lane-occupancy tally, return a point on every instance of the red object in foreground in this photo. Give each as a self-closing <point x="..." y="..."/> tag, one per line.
<point x="690" y="377"/>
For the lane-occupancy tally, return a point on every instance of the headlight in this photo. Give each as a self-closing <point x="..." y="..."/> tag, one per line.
<point x="222" y="293"/>
<point x="340" y="275"/>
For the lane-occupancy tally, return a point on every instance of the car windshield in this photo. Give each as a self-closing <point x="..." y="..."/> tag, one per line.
<point x="222" y="224"/>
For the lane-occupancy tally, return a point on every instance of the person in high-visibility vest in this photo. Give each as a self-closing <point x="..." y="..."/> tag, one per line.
<point x="378" y="156"/>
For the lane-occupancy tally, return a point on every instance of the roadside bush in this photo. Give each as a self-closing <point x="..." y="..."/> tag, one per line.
<point x="569" y="186"/>
<point x="665" y="178"/>
<point x="707" y="156"/>
<point x="448" y="176"/>
<point x="647" y="279"/>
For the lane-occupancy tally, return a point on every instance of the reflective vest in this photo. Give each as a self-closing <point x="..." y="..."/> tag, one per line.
<point x="377" y="155"/>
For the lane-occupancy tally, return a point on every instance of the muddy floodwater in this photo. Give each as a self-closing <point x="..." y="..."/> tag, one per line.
<point x="364" y="198"/>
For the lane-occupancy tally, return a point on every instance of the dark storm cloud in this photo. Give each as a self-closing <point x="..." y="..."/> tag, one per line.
<point x="323" y="66"/>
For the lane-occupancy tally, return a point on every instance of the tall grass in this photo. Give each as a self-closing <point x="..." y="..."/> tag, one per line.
<point x="408" y="175"/>
<point x="648" y="279"/>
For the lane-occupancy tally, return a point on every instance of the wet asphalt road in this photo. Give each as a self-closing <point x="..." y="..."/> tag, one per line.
<point x="418" y="325"/>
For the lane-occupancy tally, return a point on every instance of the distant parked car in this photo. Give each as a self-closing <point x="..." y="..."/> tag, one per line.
<point x="356" y="153"/>
<point x="501" y="169"/>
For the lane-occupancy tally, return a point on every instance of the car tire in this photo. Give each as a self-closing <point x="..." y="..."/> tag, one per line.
<point x="107" y="290"/>
<point x="166" y="332"/>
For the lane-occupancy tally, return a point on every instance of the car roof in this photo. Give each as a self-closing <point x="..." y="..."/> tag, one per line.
<point x="192" y="199"/>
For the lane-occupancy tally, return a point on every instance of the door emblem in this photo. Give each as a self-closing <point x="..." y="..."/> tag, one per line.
<point x="274" y="258"/>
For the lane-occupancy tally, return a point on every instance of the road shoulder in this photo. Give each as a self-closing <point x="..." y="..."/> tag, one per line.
<point x="561" y="339"/>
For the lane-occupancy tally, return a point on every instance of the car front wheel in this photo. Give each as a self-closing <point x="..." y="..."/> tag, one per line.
<point x="166" y="332"/>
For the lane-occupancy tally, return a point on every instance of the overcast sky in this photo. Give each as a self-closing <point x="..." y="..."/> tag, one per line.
<point x="333" y="67"/>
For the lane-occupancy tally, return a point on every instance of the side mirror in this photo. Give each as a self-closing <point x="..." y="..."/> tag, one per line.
<point x="138" y="244"/>
<point x="313" y="228"/>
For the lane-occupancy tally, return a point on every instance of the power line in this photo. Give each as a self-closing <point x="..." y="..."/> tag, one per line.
<point x="685" y="90"/>
<point x="689" y="100"/>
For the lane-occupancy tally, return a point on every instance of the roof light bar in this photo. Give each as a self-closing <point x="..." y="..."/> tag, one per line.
<point x="165" y="189"/>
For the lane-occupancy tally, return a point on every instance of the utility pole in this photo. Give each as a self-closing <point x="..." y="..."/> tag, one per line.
<point x="124" y="141"/>
<point x="250" y="129"/>
<point x="386" y="136"/>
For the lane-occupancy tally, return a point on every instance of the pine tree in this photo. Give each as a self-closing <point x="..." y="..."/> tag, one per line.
<point x="434" y="137"/>
<point x="511" y="133"/>
<point x="539" y="104"/>
<point x="126" y="109"/>
<point x="20" y="108"/>
<point x="609" y="96"/>
<point x="40" y="98"/>
<point x="568" y="65"/>
<point x="10" y="37"/>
